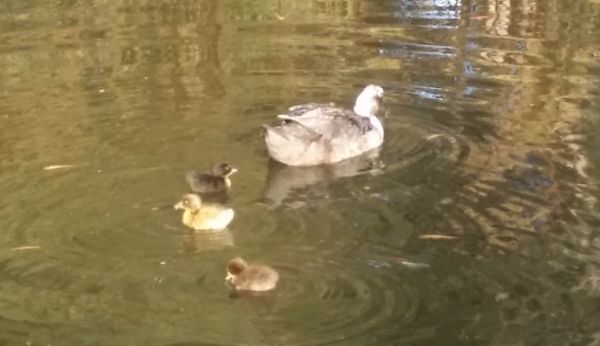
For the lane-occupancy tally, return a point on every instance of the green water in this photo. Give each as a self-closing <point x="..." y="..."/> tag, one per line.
<point x="492" y="108"/>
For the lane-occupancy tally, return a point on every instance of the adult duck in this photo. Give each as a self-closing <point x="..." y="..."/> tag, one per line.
<point x="317" y="134"/>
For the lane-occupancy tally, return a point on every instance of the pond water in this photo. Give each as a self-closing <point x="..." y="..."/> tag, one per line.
<point x="491" y="110"/>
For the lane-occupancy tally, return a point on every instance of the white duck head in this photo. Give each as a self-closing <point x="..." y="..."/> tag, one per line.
<point x="367" y="105"/>
<point x="368" y="101"/>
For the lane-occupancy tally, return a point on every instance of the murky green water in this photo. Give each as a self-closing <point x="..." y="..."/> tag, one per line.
<point x="492" y="113"/>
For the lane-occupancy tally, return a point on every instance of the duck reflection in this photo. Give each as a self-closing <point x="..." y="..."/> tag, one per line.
<point x="283" y="181"/>
<point x="207" y="241"/>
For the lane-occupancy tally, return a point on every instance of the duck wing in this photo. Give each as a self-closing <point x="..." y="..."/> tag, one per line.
<point x="320" y="136"/>
<point x="299" y="110"/>
<point x="326" y="123"/>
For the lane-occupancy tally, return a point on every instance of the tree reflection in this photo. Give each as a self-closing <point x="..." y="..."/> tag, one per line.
<point x="482" y="70"/>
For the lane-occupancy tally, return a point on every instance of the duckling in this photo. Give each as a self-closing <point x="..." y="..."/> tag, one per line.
<point x="203" y="216"/>
<point x="250" y="277"/>
<point x="216" y="181"/>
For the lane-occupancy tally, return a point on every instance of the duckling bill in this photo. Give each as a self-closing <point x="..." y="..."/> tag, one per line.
<point x="250" y="277"/>
<point x="199" y="216"/>
<point x="218" y="180"/>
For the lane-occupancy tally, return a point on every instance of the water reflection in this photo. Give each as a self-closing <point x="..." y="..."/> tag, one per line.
<point x="207" y="241"/>
<point x="283" y="181"/>
<point x="490" y="138"/>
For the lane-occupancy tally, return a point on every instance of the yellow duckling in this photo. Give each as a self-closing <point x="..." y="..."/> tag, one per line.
<point x="216" y="181"/>
<point x="203" y="216"/>
<point x="250" y="277"/>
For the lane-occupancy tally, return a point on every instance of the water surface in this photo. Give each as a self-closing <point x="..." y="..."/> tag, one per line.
<point x="492" y="108"/>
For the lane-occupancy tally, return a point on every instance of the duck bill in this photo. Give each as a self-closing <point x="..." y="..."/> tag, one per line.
<point x="233" y="170"/>
<point x="179" y="206"/>
<point x="229" y="279"/>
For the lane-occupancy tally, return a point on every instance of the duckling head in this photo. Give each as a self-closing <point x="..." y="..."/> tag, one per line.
<point x="224" y="169"/>
<point x="190" y="201"/>
<point x="235" y="267"/>
<point x="369" y="100"/>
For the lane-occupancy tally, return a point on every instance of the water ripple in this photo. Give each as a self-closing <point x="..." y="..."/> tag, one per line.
<point x="331" y="301"/>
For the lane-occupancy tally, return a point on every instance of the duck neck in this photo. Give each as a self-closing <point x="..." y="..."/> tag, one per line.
<point x="366" y="106"/>
<point x="376" y="123"/>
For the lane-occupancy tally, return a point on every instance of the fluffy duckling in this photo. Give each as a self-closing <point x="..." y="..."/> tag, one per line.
<point x="215" y="181"/>
<point x="203" y="216"/>
<point x="250" y="277"/>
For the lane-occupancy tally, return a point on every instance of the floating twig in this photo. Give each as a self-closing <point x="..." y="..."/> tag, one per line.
<point x="410" y="264"/>
<point x="26" y="247"/>
<point x="53" y="167"/>
<point x="437" y="237"/>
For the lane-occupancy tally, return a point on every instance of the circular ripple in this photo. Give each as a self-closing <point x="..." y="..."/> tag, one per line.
<point x="82" y="222"/>
<point x="409" y="146"/>
<point x="423" y="144"/>
<point x="325" y="301"/>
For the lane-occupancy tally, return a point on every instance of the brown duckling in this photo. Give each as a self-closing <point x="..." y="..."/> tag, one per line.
<point x="215" y="181"/>
<point x="203" y="216"/>
<point x="250" y="277"/>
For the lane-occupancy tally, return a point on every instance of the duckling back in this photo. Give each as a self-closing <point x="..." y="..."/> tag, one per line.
<point x="254" y="278"/>
<point x="259" y="278"/>
<point x="206" y="183"/>
<point x="208" y="217"/>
